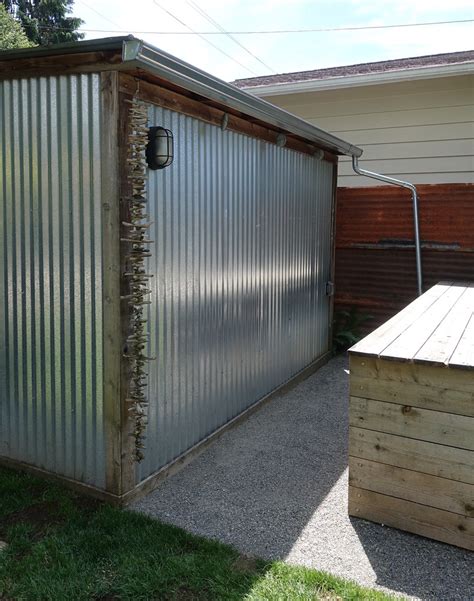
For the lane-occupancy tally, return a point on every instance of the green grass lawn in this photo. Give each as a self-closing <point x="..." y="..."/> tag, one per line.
<point x="64" y="546"/>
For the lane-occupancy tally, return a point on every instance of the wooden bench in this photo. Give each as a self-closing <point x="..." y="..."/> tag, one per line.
<point x="411" y="446"/>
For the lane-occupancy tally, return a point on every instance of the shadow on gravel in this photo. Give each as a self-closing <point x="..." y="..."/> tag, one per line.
<point x="415" y="565"/>
<point x="276" y="487"/>
<point x="258" y="486"/>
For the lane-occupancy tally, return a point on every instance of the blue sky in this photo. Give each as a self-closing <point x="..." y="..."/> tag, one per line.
<point x="287" y="52"/>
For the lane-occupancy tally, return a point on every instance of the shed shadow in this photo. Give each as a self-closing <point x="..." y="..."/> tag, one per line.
<point x="259" y="485"/>
<point x="415" y="565"/>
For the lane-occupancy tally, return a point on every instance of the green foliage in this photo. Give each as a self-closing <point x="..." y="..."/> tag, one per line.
<point x="46" y="22"/>
<point x="62" y="546"/>
<point x="11" y="32"/>
<point x="347" y="328"/>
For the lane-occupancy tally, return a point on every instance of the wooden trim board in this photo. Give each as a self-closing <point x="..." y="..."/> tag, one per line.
<point x="412" y="422"/>
<point x="417" y="395"/>
<point x="112" y="342"/>
<point x="440" y="377"/>
<point x="411" y="485"/>
<point x="425" y="457"/>
<point x="434" y="523"/>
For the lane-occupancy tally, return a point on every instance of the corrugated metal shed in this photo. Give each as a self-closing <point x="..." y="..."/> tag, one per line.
<point x="243" y="246"/>
<point x="51" y="275"/>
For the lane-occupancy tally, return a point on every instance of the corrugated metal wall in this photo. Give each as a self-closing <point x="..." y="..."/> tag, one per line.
<point x="375" y="256"/>
<point x="241" y="256"/>
<point x="50" y="275"/>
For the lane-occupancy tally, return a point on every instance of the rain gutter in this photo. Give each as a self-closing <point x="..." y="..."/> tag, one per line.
<point x="139" y="54"/>
<point x="414" y="195"/>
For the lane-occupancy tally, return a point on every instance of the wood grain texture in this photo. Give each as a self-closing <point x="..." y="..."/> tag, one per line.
<point x="420" y="333"/>
<point x="425" y="457"/>
<point x="426" y="489"/>
<point x="412" y="422"/>
<point x="444" y="341"/>
<point x="463" y="355"/>
<point x="439" y="377"/>
<point x="84" y="62"/>
<point x="413" y="517"/>
<point x="182" y="102"/>
<point x="436" y="398"/>
<point x="375" y="343"/>
<point x="111" y="280"/>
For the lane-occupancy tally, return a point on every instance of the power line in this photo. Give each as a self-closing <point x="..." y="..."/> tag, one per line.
<point x="98" y="13"/>
<point x="202" y="37"/>
<point x="208" y="18"/>
<point x="278" y="31"/>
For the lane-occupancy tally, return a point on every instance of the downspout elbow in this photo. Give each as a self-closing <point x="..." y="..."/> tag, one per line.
<point x="416" y="224"/>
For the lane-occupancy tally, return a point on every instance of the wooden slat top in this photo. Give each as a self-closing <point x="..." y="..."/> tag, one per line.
<point x="436" y="328"/>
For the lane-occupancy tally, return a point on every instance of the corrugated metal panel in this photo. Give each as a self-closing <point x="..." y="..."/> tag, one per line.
<point x="50" y="275"/>
<point x="242" y="255"/>
<point x="375" y="258"/>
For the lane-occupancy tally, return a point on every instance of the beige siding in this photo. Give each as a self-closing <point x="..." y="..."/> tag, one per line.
<point x="419" y="130"/>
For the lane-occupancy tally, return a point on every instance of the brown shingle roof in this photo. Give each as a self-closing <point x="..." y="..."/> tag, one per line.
<point x="402" y="64"/>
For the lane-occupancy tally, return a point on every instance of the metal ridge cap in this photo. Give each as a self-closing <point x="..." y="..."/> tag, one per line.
<point x="181" y="73"/>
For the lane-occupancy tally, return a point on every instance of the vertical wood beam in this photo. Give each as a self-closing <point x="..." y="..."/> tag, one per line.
<point x="112" y="342"/>
<point x="127" y="440"/>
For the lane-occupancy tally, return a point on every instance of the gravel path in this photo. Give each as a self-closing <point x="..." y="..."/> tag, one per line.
<point x="276" y="487"/>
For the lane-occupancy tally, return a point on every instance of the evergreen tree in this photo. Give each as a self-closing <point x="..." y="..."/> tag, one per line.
<point x="45" y="22"/>
<point x="11" y="32"/>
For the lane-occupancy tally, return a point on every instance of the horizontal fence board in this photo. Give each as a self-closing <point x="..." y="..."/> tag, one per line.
<point x="425" y="396"/>
<point x="412" y="422"/>
<point x="427" y="521"/>
<point x="412" y="485"/>
<point x="426" y="457"/>
<point x="375" y="254"/>
<point x="375" y="215"/>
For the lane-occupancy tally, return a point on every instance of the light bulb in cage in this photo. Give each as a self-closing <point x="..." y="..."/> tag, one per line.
<point x="159" y="150"/>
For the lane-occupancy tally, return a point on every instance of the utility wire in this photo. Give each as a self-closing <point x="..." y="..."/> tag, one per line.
<point x="202" y="37"/>
<point x="277" y="31"/>
<point x="208" y="18"/>
<point x="98" y="13"/>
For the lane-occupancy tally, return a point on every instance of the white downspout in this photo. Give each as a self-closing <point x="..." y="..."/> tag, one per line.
<point x="398" y="182"/>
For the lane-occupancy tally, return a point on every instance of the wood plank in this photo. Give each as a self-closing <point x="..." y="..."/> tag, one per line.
<point x="111" y="280"/>
<point x="425" y="375"/>
<point x="442" y="343"/>
<point x="373" y="344"/>
<point x="416" y="395"/>
<point x="413" y="422"/>
<point x="427" y="457"/>
<point x="414" y="337"/>
<point x="463" y="355"/>
<point x="433" y="523"/>
<point x="457" y="497"/>
<point x="199" y="109"/>
<point x="127" y="425"/>
<point x="84" y="62"/>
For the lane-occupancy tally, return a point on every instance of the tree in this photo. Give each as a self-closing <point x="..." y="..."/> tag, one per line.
<point x="11" y="32"/>
<point x="45" y="22"/>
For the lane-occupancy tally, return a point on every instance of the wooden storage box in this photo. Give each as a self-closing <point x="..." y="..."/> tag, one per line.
<point x="411" y="448"/>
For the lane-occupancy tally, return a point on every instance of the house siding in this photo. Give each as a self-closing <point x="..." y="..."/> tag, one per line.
<point x="422" y="131"/>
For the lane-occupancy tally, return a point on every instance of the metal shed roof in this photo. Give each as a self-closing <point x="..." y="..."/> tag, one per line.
<point x="137" y="53"/>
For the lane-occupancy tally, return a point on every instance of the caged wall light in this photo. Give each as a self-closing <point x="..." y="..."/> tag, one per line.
<point x="159" y="150"/>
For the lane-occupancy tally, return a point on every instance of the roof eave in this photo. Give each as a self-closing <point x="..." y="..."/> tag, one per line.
<point x="139" y="54"/>
<point x="350" y="81"/>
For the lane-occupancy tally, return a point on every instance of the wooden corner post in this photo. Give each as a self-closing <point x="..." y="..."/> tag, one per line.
<point x="119" y="477"/>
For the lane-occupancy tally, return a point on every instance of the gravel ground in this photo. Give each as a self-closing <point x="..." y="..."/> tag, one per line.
<point x="276" y="487"/>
